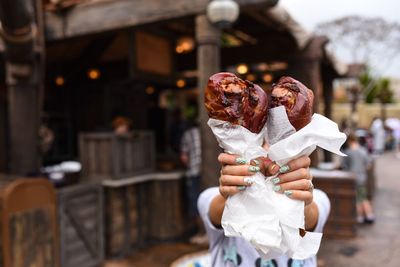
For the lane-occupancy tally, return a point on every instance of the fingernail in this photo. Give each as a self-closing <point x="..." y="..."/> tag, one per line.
<point x="284" y="169"/>
<point x="248" y="180"/>
<point x="276" y="188"/>
<point x="276" y="180"/>
<point x="240" y="161"/>
<point x="288" y="193"/>
<point x="254" y="168"/>
<point x="241" y="187"/>
<point x="256" y="162"/>
<point x="273" y="167"/>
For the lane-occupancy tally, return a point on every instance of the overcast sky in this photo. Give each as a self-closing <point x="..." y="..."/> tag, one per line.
<point x="311" y="12"/>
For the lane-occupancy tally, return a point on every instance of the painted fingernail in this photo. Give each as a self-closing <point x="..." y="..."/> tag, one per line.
<point x="241" y="187"/>
<point x="273" y="167"/>
<point x="248" y="180"/>
<point x="284" y="169"/>
<point x="240" y="161"/>
<point x="288" y="193"/>
<point x="276" y="188"/>
<point x="256" y="162"/>
<point x="254" y="168"/>
<point x="276" y="180"/>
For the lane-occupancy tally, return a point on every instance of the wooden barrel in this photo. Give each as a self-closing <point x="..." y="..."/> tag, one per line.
<point x="340" y="187"/>
<point x="28" y="223"/>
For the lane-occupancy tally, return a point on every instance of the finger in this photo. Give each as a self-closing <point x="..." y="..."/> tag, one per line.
<point x="302" y="184"/>
<point x="301" y="195"/>
<point x="227" y="191"/>
<point x="302" y="173"/>
<point x="230" y="159"/>
<point x="302" y="162"/>
<point x="240" y="170"/>
<point x="267" y="167"/>
<point x="230" y="180"/>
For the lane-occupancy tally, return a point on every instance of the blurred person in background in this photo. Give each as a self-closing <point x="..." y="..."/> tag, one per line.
<point x="46" y="136"/>
<point x="121" y="125"/>
<point x="190" y="155"/>
<point x="378" y="132"/>
<point x="358" y="162"/>
<point x="396" y="134"/>
<point x="177" y="128"/>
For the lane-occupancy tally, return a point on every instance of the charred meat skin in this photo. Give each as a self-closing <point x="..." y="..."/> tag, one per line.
<point x="231" y="99"/>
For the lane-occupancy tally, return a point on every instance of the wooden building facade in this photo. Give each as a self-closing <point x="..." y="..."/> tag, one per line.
<point x="131" y="48"/>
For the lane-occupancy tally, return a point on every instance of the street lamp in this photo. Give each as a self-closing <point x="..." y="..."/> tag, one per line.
<point x="222" y="13"/>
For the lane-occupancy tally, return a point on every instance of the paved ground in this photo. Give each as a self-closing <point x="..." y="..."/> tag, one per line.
<point x="378" y="244"/>
<point x="375" y="245"/>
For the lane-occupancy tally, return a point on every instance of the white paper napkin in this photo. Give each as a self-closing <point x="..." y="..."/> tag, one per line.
<point x="268" y="220"/>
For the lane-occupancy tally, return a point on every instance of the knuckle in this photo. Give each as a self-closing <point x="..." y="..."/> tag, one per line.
<point x="223" y="180"/>
<point x="221" y="158"/>
<point x="304" y="173"/>
<point x="223" y="170"/>
<point x="308" y="161"/>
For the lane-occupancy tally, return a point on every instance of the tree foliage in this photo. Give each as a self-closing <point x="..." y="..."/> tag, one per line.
<point x="371" y="41"/>
<point x="376" y="89"/>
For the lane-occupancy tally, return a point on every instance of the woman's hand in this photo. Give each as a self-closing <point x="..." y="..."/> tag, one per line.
<point x="293" y="180"/>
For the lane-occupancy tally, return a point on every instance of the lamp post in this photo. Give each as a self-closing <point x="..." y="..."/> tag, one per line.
<point x="220" y="13"/>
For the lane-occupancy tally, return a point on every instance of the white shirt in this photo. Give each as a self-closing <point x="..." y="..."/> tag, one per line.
<point x="235" y="251"/>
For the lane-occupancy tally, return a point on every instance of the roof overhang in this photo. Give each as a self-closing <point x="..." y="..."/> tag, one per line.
<point x="104" y="15"/>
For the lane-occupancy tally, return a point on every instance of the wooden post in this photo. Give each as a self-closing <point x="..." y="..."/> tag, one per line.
<point x="24" y="42"/>
<point x="24" y="128"/>
<point x="208" y="63"/>
<point x="328" y="99"/>
<point x="3" y="129"/>
<point x="307" y="69"/>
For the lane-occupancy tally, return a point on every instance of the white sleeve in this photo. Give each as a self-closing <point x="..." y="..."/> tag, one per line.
<point x="324" y="207"/>
<point x="203" y="205"/>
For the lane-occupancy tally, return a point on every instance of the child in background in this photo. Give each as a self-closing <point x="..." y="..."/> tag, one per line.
<point x="358" y="162"/>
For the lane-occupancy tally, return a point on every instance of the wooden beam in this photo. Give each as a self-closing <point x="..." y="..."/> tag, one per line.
<point x="102" y="16"/>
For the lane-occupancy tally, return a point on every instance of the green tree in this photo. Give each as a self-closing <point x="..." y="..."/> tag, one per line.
<point x="377" y="90"/>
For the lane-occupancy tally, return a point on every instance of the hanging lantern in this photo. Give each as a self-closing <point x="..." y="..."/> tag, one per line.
<point x="59" y="80"/>
<point x="180" y="83"/>
<point x="242" y="69"/>
<point x="222" y="13"/>
<point x="184" y="45"/>
<point x="93" y="74"/>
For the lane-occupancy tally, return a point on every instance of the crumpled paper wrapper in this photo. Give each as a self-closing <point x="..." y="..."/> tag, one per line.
<point x="268" y="220"/>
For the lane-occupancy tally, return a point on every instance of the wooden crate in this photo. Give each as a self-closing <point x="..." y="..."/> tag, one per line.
<point x="341" y="189"/>
<point x="166" y="199"/>
<point x="122" y="225"/>
<point x="81" y="225"/>
<point x="111" y="156"/>
<point x="28" y="223"/>
<point x="143" y="210"/>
